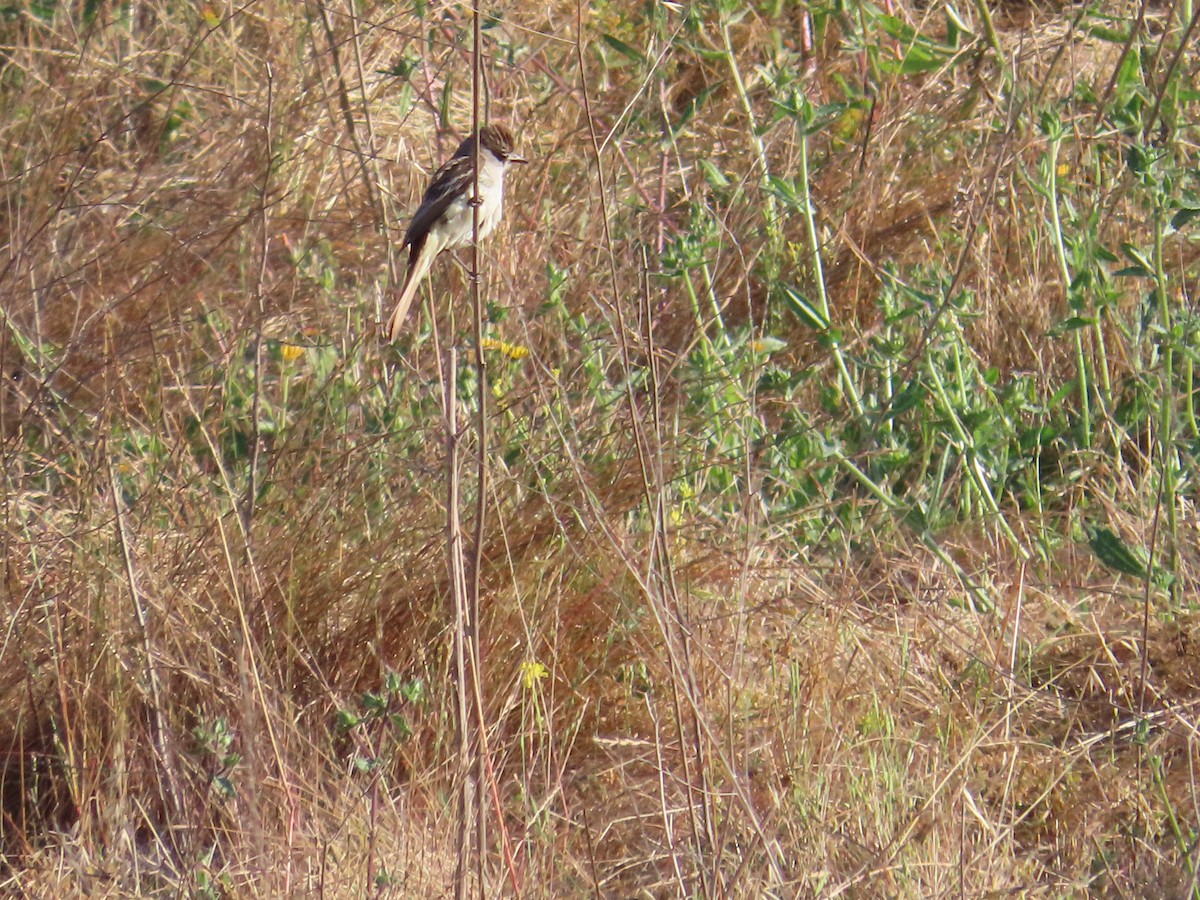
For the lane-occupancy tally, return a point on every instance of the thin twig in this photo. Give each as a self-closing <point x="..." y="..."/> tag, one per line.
<point x="158" y="726"/>
<point x="454" y="559"/>
<point x="471" y="636"/>
<point x="343" y="95"/>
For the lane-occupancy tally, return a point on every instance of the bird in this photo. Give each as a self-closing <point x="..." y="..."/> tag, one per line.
<point x="444" y="220"/>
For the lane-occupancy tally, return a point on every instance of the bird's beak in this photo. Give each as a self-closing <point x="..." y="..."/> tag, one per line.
<point x="517" y="158"/>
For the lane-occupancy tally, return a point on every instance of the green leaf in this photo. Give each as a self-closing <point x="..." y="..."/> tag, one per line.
<point x="1138" y="159"/>
<point x="714" y="176"/>
<point x="692" y="106"/>
<point x="785" y="190"/>
<point x="1050" y="124"/>
<point x="912" y="395"/>
<point x="224" y="786"/>
<point x="898" y="29"/>
<point x="1074" y="323"/>
<point x="1185" y="215"/>
<point x="955" y="27"/>
<point x="915" y="518"/>
<point x="1133" y="272"/>
<point x="444" y="102"/>
<point x="1136" y="256"/>
<point x="1115" y="553"/>
<point x="796" y="107"/>
<point x="365" y="764"/>
<point x="919" y="59"/>
<point x="1057" y="398"/>
<point x="803" y="309"/>
<point x="920" y="53"/>
<point x="1129" y="78"/>
<point x="1112" y="35"/>
<point x="624" y="49"/>
<point x="401" y="68"/>
<point x="413" y="691"/>
<point x="824" y="115"/>
<point x="767" y="345"/>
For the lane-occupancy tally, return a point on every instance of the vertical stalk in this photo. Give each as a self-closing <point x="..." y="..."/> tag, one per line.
<point x="472" y="764"/>
<point x="1169" y="459"/>
<point x="810" y="223"/>
<point x="1189" y="397"/>
<point x="1060" y="251"/>
<point x="454" y="562"/>
<point x="975" y="475"/>
<point x="164" y="755"/>
<point x="475" y="681"/>
<point x="989" y="29"/>
<point x="774" y="235"/>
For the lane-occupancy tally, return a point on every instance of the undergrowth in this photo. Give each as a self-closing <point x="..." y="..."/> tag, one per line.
<point x="841" y="514"/>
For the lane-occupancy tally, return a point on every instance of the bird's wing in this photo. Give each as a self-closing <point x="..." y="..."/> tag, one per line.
<point x="450" y="181"/>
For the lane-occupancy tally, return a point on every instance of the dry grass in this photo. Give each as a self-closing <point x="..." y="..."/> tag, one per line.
<point x="224" y="502"/>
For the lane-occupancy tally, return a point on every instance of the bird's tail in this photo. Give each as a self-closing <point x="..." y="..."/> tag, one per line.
<point x="412" y="281"/>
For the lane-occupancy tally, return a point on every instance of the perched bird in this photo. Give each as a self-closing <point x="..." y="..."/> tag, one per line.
<point x="443" y="221"/>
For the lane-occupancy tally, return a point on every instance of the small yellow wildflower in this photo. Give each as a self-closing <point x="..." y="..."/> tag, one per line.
<point x="512" y="351"/>
<point x="532" y="672"/>
<point x="291" y="352"/>
<point x="1064" y="169"/>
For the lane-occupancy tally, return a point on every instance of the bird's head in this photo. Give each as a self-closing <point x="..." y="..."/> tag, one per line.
<point x="498" y="140"/>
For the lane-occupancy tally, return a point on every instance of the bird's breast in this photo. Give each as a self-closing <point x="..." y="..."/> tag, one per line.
<point x="456" y="224"/>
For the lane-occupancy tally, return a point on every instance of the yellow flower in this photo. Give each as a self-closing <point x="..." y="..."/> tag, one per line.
<point x="512" y="351"/>
<point x="532" y="672"/>
<point x="291" y="352"/>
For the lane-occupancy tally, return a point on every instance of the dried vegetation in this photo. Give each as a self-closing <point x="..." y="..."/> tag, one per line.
<point x="812" y="566"/>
